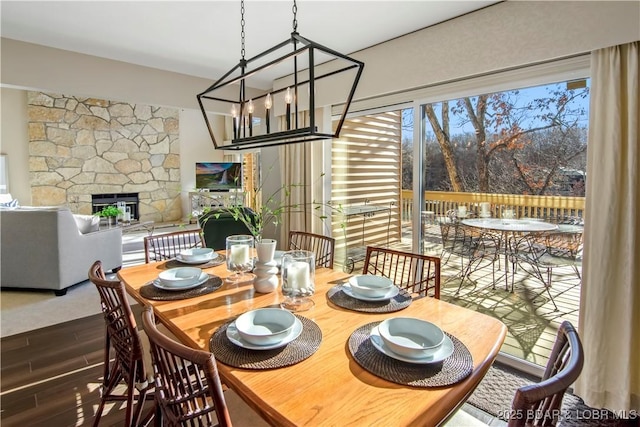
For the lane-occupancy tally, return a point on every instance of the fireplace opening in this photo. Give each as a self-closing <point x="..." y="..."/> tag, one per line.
<point x="128" y="202"/>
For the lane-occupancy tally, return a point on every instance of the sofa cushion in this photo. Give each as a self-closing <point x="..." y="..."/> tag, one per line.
<point x="87" y="223"/>
<point x="6" y="201"/>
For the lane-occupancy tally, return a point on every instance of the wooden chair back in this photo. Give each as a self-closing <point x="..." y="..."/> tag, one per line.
<point x="322" y="246"/>
<point x="416" y="273"/>
<point x="539" y="404"/>
<point x="162" y="247"/>
<point x="188" y="388"/>
<point x="121" y="337"/>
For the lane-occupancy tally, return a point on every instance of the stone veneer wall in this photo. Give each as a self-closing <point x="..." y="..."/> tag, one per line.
<point x="84" y="146"/>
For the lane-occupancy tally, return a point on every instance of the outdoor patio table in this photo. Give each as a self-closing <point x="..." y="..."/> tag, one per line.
<point x="507" y="228"/>
<point x="329" y="387"/>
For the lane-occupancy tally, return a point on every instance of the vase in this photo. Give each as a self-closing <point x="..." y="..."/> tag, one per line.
<point x="266" y="269"/>
<point x="266" y="249"/>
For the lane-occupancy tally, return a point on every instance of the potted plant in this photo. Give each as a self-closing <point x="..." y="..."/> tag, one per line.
<point x="111" y="213"/>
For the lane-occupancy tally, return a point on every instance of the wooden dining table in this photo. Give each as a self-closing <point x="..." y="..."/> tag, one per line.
<point x="329" y="388"/>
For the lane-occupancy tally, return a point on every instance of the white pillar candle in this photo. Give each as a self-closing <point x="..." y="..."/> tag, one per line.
<point x="298" y="275"/>
<point x="240" y="254"/>
<point x="462" y="210"/>
<point x="484" y="207"/>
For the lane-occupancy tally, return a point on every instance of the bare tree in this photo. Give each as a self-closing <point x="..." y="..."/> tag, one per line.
<point x="502" y="122"/>
<point x="443" y="136"/>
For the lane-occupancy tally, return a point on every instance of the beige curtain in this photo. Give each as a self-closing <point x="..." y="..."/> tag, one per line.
<point x="610" y="299"/>
<point x="295" y="160"/>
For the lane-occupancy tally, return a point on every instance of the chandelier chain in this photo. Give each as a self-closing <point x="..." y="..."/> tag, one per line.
<point x="295" y="19"/>
<point x="242" y="28"/>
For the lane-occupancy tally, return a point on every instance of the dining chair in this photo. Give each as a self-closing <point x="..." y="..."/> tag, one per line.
<point x="131" y="363"/>
<point x="188" y="388"/>
<point x="539" y="404"/>
<point x="322" y="246"/>
<point x="162" y="247"/>
<point x="416" y="273"/>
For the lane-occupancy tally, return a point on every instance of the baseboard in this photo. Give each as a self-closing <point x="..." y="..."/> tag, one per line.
<point x="520" y="364"/>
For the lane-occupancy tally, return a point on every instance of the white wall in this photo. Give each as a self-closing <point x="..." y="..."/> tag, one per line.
<point x="196" y="146"/>
<point x="15" y="142"/>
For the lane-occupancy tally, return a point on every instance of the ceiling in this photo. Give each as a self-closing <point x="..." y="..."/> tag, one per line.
<point x="202" y="38"/>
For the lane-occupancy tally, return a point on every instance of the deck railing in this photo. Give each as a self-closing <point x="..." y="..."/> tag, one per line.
<point x="439" y="202"/>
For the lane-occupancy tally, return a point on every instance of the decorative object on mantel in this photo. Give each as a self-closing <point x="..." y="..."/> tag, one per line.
<point x="111" y="213"/>
<point x="309" y="71"/>
<point x="266" y="269"/>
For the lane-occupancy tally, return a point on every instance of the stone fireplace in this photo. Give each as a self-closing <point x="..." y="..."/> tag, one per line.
<point x="83" y="147"/>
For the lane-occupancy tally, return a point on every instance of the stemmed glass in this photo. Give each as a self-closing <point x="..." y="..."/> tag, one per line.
<point x="298" y="280"/>
<point x="239" y="257"/>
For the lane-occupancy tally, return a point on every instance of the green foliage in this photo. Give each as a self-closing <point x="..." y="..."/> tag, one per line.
<point x="109" y="211"/>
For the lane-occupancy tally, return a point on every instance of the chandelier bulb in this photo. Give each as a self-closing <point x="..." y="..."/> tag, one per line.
<point x="287" y="97"/>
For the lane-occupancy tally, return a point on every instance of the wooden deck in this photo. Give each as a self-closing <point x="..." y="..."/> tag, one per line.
<point x="528" y="312"/>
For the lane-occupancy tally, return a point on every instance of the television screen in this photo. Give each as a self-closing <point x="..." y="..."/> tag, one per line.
<point x="218" y="176"/>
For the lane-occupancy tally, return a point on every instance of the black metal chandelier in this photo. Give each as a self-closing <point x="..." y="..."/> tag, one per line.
<point x="305" y="71"/>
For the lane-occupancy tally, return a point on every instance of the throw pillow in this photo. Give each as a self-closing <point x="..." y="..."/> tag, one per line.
<point x="87" y="223"/>
<point x="11" y="204"/>
<point x="6" y="201"/>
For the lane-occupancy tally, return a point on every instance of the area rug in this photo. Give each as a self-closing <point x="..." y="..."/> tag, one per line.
<point x="495" y="393"/>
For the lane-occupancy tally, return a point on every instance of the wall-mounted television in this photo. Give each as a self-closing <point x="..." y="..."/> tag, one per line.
<point x="218" y="176"/>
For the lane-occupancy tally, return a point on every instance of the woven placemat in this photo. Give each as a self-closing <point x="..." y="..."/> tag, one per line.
<point x="337" y="296"/>
<point x="174" y="263"/>
<point x="450" y="371"/>
<point x="151" y="292"/>
<point x="296" y="351"/>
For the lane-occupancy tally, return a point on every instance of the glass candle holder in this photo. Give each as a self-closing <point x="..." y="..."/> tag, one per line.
<point x="298" y="280"/>
<point x="240" y="257"/>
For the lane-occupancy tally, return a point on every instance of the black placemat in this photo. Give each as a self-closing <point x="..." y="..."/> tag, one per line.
<point x="296" y="351"/>
<point x="149" y="291"/>
<point x="174" y="263"/>
<point x="453" y="369"/>
<point x="337" y="296"/>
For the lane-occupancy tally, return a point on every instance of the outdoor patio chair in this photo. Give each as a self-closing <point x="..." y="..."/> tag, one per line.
<point x="471" y="245"/>
<point x="162" y="247"/>
<point x="544" y="252"/>
<point x="131" y="363"/>
<point x="188" y="388"/>
<point x="416" y="273"/>
<point x="539" y="404"/>
<point x="322" y="246"/>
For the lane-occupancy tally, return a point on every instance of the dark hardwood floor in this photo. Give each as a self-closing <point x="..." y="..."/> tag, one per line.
<point x="51" y="376"/>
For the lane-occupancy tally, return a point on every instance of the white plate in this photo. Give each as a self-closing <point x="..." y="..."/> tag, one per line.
<point x="346" y="288"/>
<point x="445" y="351"/>
<point x="201" y="280"/>
<point x="184" y="261"/>
<point x="234" y="337"/>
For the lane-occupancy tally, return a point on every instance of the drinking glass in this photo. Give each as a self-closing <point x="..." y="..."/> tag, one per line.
<point x="298" y="280"/>
<point x="240" y="257"/>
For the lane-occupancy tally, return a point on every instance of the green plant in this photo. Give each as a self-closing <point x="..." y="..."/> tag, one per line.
<point x="110" y="211"/>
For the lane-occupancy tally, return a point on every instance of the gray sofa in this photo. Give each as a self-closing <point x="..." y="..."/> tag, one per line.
<point x="43" y="248"/>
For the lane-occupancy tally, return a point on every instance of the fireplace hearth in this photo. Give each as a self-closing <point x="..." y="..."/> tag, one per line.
<point x="130" y="201"/>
